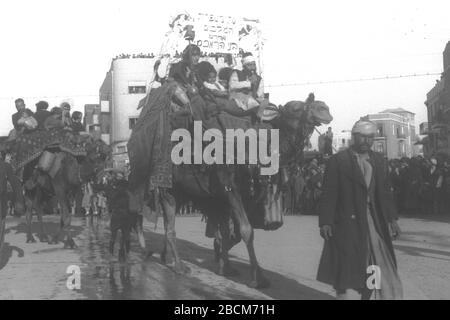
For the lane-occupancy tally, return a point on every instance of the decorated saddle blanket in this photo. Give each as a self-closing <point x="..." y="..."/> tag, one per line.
<point x="28" y="147"/>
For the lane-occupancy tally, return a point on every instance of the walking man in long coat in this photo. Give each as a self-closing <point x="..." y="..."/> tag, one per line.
<point x="357" y="219"/>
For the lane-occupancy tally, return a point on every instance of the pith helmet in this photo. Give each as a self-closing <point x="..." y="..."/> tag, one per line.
<point x="364" y="127"/>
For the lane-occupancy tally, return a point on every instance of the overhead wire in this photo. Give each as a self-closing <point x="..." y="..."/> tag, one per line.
<point x="374" y="78"/>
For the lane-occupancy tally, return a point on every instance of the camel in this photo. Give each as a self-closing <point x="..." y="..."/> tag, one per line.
<point x="217" y="187"/>
<point x="65" y="184"/>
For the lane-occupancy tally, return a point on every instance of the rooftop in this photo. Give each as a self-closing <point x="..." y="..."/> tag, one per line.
<point x="447" y="47"/>
<point x="396" y="110"/>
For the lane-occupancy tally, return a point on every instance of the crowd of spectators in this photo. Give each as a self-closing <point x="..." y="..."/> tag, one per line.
<point x="135" y="56"/>
<point x="305" y="187"/>
<point x="226" y="56"/>
<point x="420" y="186"/>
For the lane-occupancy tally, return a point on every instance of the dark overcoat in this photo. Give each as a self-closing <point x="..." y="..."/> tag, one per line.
<point x="343" y="205"/>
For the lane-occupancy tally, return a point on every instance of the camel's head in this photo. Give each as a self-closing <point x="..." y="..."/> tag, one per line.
<point x="319" y="113"/>
<point x="311" y="112"/>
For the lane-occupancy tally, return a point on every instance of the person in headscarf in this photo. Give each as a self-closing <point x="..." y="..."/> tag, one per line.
<point x="66" y="118"/>
<point x="357" y="219"/>
<point x="173" y="105"/>
<point x="185" y="70"/>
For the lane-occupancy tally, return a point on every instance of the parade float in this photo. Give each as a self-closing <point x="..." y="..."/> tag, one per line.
<point x="222" y="40"/>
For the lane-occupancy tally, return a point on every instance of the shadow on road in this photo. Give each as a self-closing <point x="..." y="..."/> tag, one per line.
<point x="7" y="252"/>
<point x="430" y="217"/>
<point x="429" y="237"/>
<point x="139" y="278"/>
<point x="50" y="228"/>
<point x="422" y="252"/>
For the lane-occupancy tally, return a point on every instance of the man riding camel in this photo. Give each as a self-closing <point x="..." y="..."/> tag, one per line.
<point x="23" y="120"/>
<point x="246" y="87"/>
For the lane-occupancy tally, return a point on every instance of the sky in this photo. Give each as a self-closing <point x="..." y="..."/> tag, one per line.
<point x="60" y="50"/>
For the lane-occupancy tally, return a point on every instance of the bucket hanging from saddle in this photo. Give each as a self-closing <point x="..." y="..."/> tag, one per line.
<point x="46" y="161"/>
<point x="273" y="213"/>
<point x="268" y="215"/>
<point x="59" y="157"/>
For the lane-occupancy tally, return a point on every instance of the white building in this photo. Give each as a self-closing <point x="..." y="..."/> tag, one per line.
<point x="342" y="140"/>
<point x="124" y="86"/>
<point x="396" y="133"/>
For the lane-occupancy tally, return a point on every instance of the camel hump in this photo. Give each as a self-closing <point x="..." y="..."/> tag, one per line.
<point x="294" y="108"/>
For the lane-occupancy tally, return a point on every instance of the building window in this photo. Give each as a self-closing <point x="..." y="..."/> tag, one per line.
<point x="94" y="128"/>
<point x="401" y="149"/>
<point x="132" y="122"/>
<point x="104" y="106"/>
<point x="380" y="130"/>
<point x="121" y="149"/>
<point x="380" y="147"/>
<point x="136" y="89"/>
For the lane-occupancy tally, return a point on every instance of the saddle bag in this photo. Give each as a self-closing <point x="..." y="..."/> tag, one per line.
<point x="268" y="216"/>
<point x="30" y="123"/>
<point x="46" y="161"/>
<point x="273" y="214"/>
<point x="56" y="164"/>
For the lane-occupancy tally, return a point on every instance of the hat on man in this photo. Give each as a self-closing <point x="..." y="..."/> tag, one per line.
<point x="247" y="58"/>
<point x="364" y="127"/>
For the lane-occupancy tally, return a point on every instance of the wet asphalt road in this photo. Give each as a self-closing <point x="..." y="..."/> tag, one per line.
<point x="38" y="270"/>
<point x="289" y="257"/>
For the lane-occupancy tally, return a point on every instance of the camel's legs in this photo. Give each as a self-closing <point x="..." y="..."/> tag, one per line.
<point x="246" y="230"/>
<point x="113" y="240"/>
<point x="40" y="212"/>
<point x="169" y="209"/>
<point x="29" y="218"/>
<point x="124" y="243"/>
<point x="140" y="230"/>
<point x="66" y="218"/>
